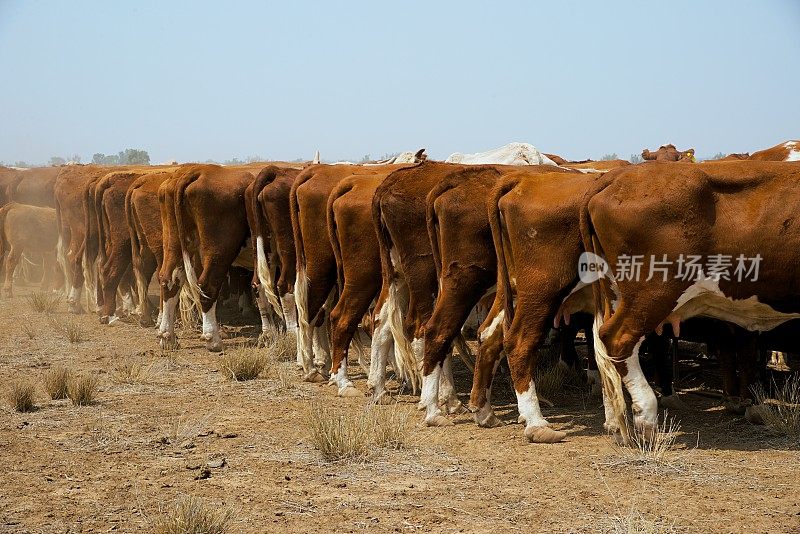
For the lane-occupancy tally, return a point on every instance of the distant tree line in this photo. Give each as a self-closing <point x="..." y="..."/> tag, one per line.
<point x="129" y="156"/>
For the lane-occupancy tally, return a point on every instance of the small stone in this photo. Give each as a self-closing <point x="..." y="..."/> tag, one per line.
<point x="204" y="473"/>
<point x="216" y="463"/>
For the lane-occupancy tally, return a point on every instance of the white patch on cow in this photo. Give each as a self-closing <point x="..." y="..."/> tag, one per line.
<point x="429" y="398"/>
<point x="704" y="298"/>
<point x="381" y="349"/>
<point x="447" y="389"/>
<point x="289" y="311"/>
<point x="166" y="328"/>
<point x="191" y="280"/>
<point x="340" y="377"/>
<point x="511" y="154"/>
<point x="128" y="305"/>
<point x="263" y="308"/>
<point x="407" y="364"/>
<point x="210" y="325"/>
<point x="265" y="276"/>
<point x="305" y="348"/>
<point x="794" y="151"/>
<point x="322" y="349"/>
<point x="496" y="322"/>
<point x="394" y="257"/>
<point x="528" y="406"/>
<point x="643" y="399"/>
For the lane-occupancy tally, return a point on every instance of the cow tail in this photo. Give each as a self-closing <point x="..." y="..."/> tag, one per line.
<point x="498" y="236"/>
<point x="4" y="247"/>
<point x="89" y="272"/>
<point x="613" y="395"/>
<point x="136" y="244"/>
<point x="304" y="328"/>
<point x="407" y="366"/>
<point x="338" y="192"/>
<point x="264" y="272"/>
<point x="192" y="285"/>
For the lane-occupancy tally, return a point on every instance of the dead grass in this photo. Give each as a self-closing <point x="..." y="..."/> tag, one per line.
<point x="82" y="389"/>
<point x="635" y="522"/>
<point x="29" y="330"/>
<point x="652" y="455"/>
<point x="244" y="363"/>
<point x="341" y="435"/>
<point x="391" y="428"/>
<point x="21" y="396"/>
<point x="192" y="515"/>
<point x="56" y="381"/>
<point x="72" y="330"/>
<point x="130" y="371"/>
<point x="44" y="302"/>
<point x="781" y="411"/>
<point x="281" y="346"/>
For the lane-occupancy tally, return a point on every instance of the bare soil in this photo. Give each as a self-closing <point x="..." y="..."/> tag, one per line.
<point x="116" y="465"/>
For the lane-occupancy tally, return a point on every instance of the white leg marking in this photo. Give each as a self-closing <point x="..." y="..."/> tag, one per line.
<point x="644" y="402"/>
<point x="529" y="410"/>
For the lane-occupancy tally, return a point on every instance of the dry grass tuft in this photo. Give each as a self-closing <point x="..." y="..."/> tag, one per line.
<point x="781" y="412"/>
<point x="338" y="434"/>
<point x="342" y="435"/>
<point x="191" y="515"/>
<point x="44" y="302"/>
<point x="244" y="363"/>
<point x="391" y="426"/>
<point x="71" y="330"/>
<point x="650" y="454"/>
<point x="56" y="381"/>
<point x="130" y="371"/>
<point x="29" y="330"/>
<point x="285" y="376"/>
<point x="21" y="395"/>
<point x="634" y="522"/>
<point x="82" y="389"/>
<point x="281" y="345"/>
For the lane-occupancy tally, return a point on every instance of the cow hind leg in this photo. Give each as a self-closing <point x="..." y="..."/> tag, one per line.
<point x="12" y="260"/>
<point x="490" y="354"/>
<point x="344" y="319"/>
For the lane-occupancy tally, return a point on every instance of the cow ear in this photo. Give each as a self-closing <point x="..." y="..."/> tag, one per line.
<point x="420" y="154"/>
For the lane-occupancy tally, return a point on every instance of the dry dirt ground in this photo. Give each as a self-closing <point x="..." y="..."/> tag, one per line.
<point x="118" y="464"/>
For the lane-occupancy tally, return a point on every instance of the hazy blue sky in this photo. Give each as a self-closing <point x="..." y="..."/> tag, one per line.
<point x="200" y="80"/>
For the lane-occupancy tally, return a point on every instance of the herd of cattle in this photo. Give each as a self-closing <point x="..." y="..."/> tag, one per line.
<point x="407" y="251"/>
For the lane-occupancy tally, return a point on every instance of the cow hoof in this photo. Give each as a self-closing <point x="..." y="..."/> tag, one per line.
<point x="205" y="336"/>
<point x="383" y="398"/>
<point x="146" y="322"/>
<point x="214" y="346"/>
<point x="315" y="377"/>
<point x="168" y="343"/>
<point x="673" y="402"/>
<point x="104" y="319"/>
<point x="350" y="391"/>
<point x="113" y="320"/>
<point x="755" y="415"/>
<point x="646" y="432"/>
<point x="737" y="406"/>
<point x="544" y="434"/>
<point x="454" y="406"/>
<point x="438" y="420"/>
<point x="489" y="420"/>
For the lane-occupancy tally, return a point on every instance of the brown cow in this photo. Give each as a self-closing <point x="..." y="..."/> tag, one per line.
<point x="668" y="153"/>
<point x="316" y="264"/>
<point x="212" y="229"/>
<point x="358" y="267"/>
<point x="171" y="275"/>
<point x="535" y="228"/>
<point x="69" y="189"/>
<point x="409" y="281"/>
<point x="144" y="226"/>
<point x="35" y="186"/>
<point x="788" y="151"/>
<point x="115" y="260"/>
<point x="30" y="231"/>
<point x="267" y="240"/>
<point x="735" y="212"/>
